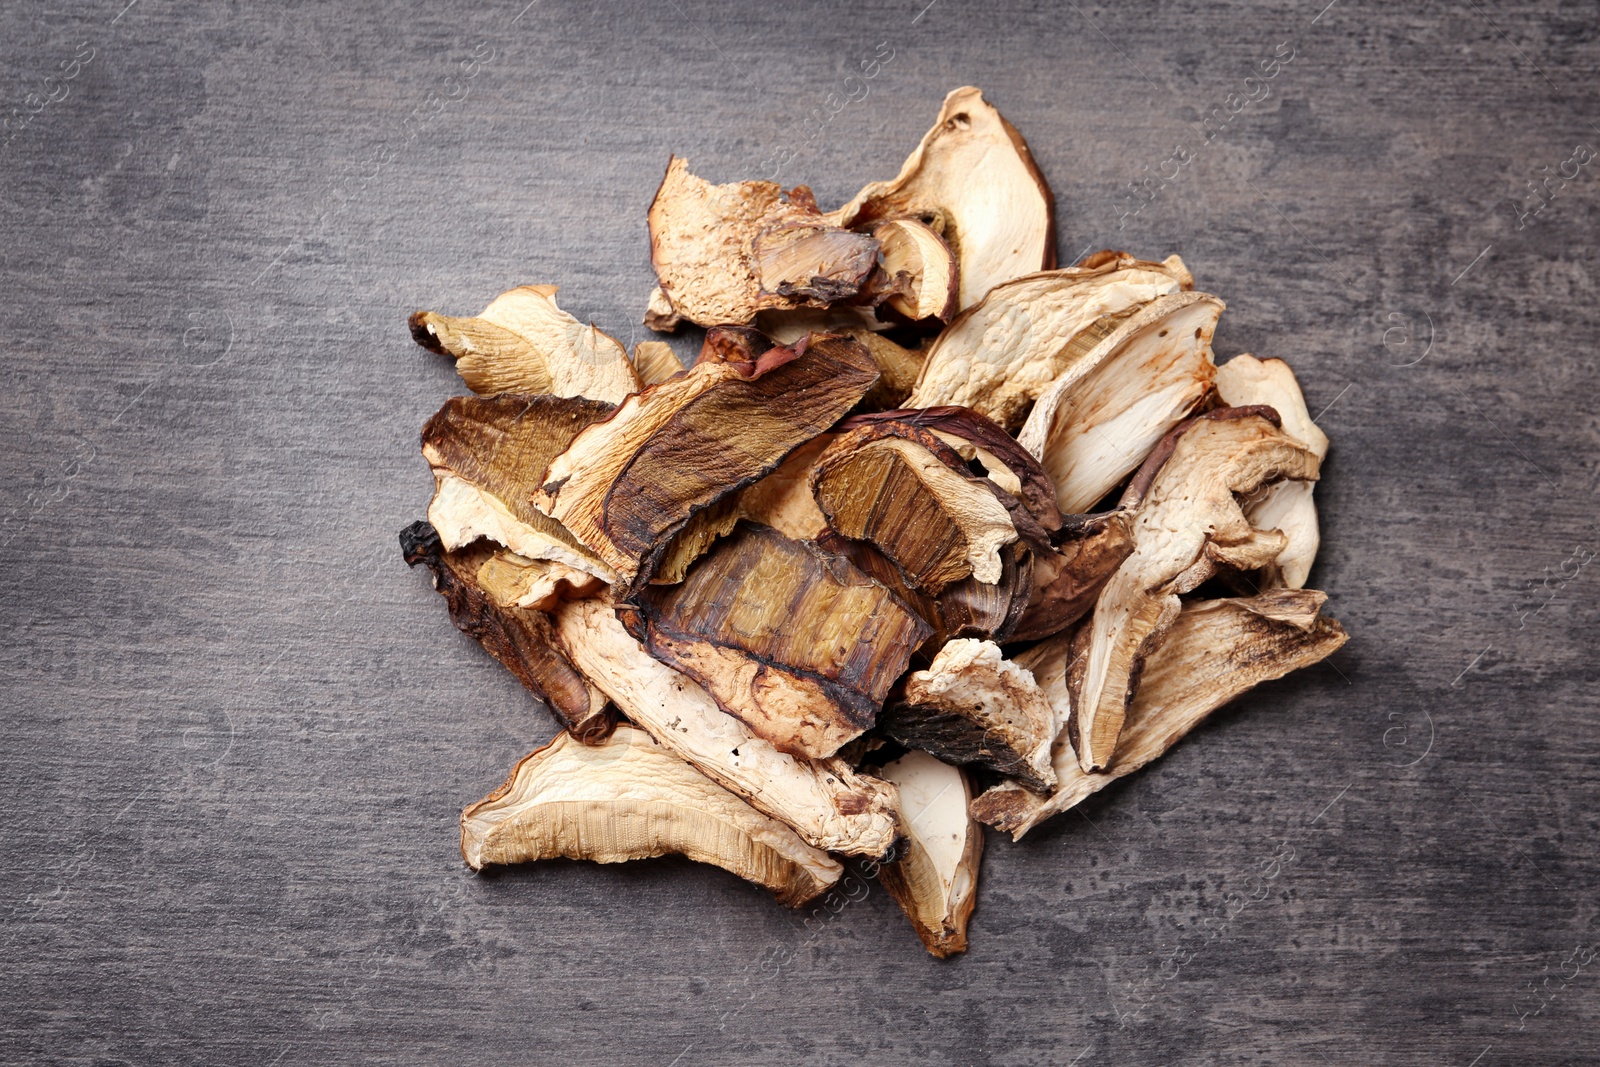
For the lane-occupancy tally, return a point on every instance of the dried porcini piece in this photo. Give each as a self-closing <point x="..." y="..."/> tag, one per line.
<point x="628" y="798"/>
<point x="655" y="362"/>
<point x="724" y="252"/>
<point x="520" y="638"/>
<point x="1095" y="422"/>
<point x="973" y="180"/>
<point x="935" y="878"/>
<point x="523" y="343"/>
<point x="626" y="486"/>
<point x="826" y="802"/>
<point x="917" y="273"/>
<point x="1188" y="522"/>
<point x="972" y="705"/>
<point x="1215" y="651"/>
<point x="1285" y="506"/>
<point x="513" y="581"/>
<point x="1068" y="578"/>
<point x="796" y="642"/>
<point x="898" y="366"/>
<point x="1000" y="355"/>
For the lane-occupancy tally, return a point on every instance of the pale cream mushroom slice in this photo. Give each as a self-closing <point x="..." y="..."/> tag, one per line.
<point x="918" y="273"/>
<point x="935" y="878"/>
<point x="973" y="180"/>
<point x="1286" y="506"/>
<point x="655" y="362"/>
<point x="629" y="798"/>
<point x="1215" y="651"/>
<point x="1098" y="420"/>
<point x="523" y="343"/>
<point x="1004" y="352"/>
<point x="1189" y="521"/>
<point x="826" y="801"/>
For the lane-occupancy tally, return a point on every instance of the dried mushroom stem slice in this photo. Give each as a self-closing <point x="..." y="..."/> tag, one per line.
<point x="628" y="485"/>
<point x="487" y="455"/>
<point x="1190" y="517"/>
<point x="520" y="638"/>
<point x="828" y="804"/>
<point x="1000" y="355"/>
<point x="724" y="252"/>
<point x="1097" y="421"/>
<point x="795" y="642"/>
<point x="628" y="799"/>
<point x="935" y="879"/>
<point x="655" y="362"/>
<point x="972" y="705"/>
<point x="974" y="181"/>
<point x="523" y="343"/>
<point x="1217" y="650"/>
<point x="1286" y="506"/>
<point x="922" y="268"/>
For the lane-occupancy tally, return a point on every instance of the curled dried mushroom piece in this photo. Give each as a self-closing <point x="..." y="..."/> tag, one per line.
<point x="935" y="878"/>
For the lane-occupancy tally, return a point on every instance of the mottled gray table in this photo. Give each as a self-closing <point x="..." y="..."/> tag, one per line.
<point x="237" y="730"/>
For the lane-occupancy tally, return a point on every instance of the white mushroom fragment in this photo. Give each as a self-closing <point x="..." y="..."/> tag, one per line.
<point x="935" y="878"/>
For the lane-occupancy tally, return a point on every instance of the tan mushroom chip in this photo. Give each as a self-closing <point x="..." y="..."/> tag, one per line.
<point x="523" y="343"/>
<point x="935" y="878"/>
<point x="918" y="271"/>
<point x="655" y="362"/>
<point x="627" y="799"/>
<point x="973" y="180"/>
<point x="1216" y="650"/>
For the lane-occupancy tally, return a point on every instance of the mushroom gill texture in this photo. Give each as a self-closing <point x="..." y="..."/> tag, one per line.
<point x="935" y="877"/>
<point x="629" y="798"/>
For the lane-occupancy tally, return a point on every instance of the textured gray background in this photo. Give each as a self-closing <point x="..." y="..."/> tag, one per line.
<point x="237" y="731"/>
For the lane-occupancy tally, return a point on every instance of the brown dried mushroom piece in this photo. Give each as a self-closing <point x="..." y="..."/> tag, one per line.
<point x="917" y="276"/>
<point x="523" y="343"/>
<point x="628" y="485"/>
<point x="826" y="802"/>
<point x="935" y="878"/>
<point x="724" y="252"/>
<point x="1285" y="506"/>
<point x="797" y="643"/>
<point x="488" y="456"/>
<point x="898" y="366"/>
<point x="1188" y="523"/>
<point x="520" y="638"/>
<point x="1003" y="353"/>
<point x="1215" y="651"/>
<point x="972" y="705"/>
<point x="629" y="799"/>
<point x="973" y="180"/>
<point x="1100" y="418"/>
<point x="513" y="581"/>
<point x="1068" y="579"/>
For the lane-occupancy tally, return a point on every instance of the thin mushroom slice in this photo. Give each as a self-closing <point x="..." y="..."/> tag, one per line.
<point x="513" y="581"/>
<point x="488" y="455"/>
<point x="935" y="878"/>
<point x="520" y="638"/>
<point x="795" y="642"/>
<point x="826" y="802"/>
<point x="1189" y="521"/>
<point x="1097" y="421"/>
<point x="972" y="705"/>
<point x="655" y="362"/>
<point x="627" y="486"/>
<point x="1068" y="579"/>
<point x="1215" y="651"/>
<point x="630" y="799"/>
<point x="898" y="366"/>
<point x="974" y="181"/>
<point x="1003" y="353"/>
<point x="1288" y="505"/>
<point x="919" y="271"/>
<point x="523" y="343"/>
<point x="724" y="252"/>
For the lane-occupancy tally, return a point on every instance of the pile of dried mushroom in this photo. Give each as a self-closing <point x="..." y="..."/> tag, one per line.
<point x="931" y="535"/>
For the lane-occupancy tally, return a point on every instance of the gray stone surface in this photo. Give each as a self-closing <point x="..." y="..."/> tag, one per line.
<point x="237" y="731"/>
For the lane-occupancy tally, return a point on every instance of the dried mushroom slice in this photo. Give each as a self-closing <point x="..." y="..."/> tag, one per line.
<point x="523" y="343"/>
<point x="783" y="500"/>
<point x="1215" y="651"/>
<point x="907" y="492"/>
<point x="898" y="366"/>
<point x="1099" y="419"/>
<point x="973" y="180"/>
<point x="1189" y="522"/>
<point x="795" y="642"/>
<point x="1003" y="353"/>
<point x="828" y="804"/>
<point x="1068" y="579"/>
<point x="655" y="362"/>
<point x="935" y="879"/>
<point x="513" y="581"/>
<point x="628" y="485"/>
<point x="918" y="271"/>
<point x="972" y="705"/>
<point x="724" y="252"/>
<point x="629" y="799"/>
<point x="1286" y="506"/>
<point x="521" y="639"/>
<point x="488" y="455"/>
<point x="659" y="314"/>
